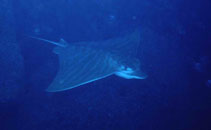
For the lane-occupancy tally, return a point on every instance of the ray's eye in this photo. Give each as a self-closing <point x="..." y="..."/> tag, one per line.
<point x="123" y="67"/>
<point x="128" y="69"/>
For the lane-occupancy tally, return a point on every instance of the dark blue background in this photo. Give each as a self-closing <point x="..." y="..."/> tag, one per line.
<point x="175" y="36"/>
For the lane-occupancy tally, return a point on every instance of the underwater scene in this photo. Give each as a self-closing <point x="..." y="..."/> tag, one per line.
<point x="105" y="65"/>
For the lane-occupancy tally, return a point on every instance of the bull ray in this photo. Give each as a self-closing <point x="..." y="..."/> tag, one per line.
<point x="85" y="62"/>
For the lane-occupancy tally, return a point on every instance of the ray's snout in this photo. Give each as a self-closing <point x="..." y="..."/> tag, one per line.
<point x="140" y="75"/>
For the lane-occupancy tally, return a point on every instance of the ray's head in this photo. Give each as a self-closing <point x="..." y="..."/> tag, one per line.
<point x="131" y="69"/>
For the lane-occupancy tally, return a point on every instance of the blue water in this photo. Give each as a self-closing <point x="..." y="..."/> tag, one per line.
<point x="174" y="52"/>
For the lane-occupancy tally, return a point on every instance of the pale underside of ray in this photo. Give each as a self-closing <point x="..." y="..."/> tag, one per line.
<point x="81" y="65"/>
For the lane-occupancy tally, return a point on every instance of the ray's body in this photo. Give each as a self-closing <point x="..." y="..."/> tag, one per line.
<point x="86" y="62"/>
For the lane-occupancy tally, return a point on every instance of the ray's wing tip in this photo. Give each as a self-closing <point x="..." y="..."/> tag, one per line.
<point x="49" y="89"/>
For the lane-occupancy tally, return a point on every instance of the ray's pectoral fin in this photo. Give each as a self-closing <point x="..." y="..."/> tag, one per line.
<point x="61" y="85"/>
<point x="79" y="66"/>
